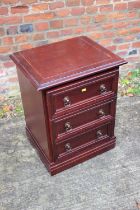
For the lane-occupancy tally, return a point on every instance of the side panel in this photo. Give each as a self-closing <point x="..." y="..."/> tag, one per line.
<point x="35" y="114"/>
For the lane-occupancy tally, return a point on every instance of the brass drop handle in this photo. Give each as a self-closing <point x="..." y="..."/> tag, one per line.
<point x="101" y="113"/>
<point x="68" y="147"/>
<point x="99" y="134"/>
<point x="66" y="101"/>
<point x="68" y="126"/>
<point x="103" y="88"/>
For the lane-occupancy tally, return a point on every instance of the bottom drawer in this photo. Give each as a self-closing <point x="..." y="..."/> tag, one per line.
<point x="96" y="136"/>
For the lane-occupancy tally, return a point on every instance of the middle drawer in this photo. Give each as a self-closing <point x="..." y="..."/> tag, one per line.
<point x="66" y="127"/>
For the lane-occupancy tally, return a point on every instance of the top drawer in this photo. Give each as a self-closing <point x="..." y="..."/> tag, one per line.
<point x="96" y="88"/>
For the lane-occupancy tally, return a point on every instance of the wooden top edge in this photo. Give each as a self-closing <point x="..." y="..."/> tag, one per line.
<point x="42" y="84"/>
<point x="74" y="77"/>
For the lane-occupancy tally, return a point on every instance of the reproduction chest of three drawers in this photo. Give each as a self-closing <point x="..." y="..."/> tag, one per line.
<point x="69" y="92"/>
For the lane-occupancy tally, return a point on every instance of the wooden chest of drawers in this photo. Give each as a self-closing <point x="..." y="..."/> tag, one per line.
<point x="69" y="92"/>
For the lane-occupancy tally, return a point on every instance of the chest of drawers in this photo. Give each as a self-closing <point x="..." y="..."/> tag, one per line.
<point x="69" y="92"/>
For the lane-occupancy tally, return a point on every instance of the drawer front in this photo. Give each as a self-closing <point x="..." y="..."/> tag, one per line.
<point x="95" y="136"/>
<point x="68" y="97"/>
<point x="67" y="126"/>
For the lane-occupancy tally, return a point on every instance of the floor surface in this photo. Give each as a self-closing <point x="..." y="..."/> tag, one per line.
<point x="110" y="181"/>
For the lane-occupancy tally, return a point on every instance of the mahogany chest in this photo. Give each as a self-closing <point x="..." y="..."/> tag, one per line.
<point x="69" y="91"/>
